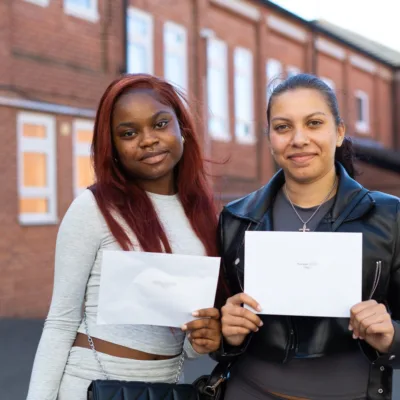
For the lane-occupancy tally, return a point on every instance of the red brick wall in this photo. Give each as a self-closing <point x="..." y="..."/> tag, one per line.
<point x="333" y="69"/>
<point x="236" y="32"/>
<point x="60" y="58"/>
<point x="384" y="112"/>
<point x="361" y="80"/>
<point x="27" y="252"/>
<point x="5" y="23"/>
<point x="289" y="52"/>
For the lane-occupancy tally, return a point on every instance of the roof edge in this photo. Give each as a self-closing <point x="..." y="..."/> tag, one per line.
<point x="316" y="28"/>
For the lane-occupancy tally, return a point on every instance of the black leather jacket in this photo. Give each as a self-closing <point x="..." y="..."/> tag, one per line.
<point x="377" y="216"/>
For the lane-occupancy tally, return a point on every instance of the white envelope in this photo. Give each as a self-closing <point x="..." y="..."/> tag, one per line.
<point x="155" y="288"/>
<point x="305" y="274"/>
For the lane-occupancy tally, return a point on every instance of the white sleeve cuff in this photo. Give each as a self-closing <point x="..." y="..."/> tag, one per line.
<point x="190" y="352"/>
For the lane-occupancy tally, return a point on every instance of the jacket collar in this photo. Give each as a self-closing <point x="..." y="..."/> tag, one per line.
<point x="254" y="206"/>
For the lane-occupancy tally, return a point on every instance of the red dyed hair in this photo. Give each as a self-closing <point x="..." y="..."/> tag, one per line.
<point x="114" y="192"/>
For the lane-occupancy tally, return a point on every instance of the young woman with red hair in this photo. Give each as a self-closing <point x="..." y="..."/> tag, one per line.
<point x="150" y="195"/>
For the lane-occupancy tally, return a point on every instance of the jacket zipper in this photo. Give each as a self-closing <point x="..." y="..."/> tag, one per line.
<point x="378" y="271"/>
<point x="237" y="260"/>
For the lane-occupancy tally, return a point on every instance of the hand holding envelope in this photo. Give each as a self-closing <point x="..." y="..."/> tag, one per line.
<point x="155" y="288"/>
<point x="291" y="273"/>
<point x="205" y="333"/>
<point x="237" y="322"/>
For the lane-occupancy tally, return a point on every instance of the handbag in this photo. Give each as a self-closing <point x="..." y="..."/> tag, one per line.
<point x="207" y="387"/>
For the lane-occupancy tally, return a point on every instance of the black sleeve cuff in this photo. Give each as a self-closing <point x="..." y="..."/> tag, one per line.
<point x="229" y="353"/>
<point x="392" y="357"/>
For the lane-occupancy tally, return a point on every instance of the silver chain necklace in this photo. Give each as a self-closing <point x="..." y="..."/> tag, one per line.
<point x="304" y="228"/>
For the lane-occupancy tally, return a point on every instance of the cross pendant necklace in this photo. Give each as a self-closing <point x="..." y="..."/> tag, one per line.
<point x="304" y="228"/>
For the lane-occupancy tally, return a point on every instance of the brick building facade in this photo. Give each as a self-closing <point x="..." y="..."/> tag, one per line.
<point x="57" y="57"/>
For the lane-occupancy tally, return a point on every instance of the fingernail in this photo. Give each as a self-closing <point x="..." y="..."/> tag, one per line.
<point x="354" y="336"/>
<point x="350" y="328"/>
<point x="184" y="327"/>
<point x="257" y="330"/>
<point x="259" y="308"/>
<point x="261" y="324"/>
<point x="195" y="314"/>
<point x="361" y="338"/>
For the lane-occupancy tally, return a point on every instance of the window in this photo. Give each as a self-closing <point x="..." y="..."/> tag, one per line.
<point x="37" y="188"/>
<point x="329" y="82"/>
<point x="292" y="71"/>
<point x="362" y="111"/>
<point x="244" y="97"/>
<point x="86" y="9"/>
<point x="274" y="75"/>
<point x="43" y="3"/>
<point x="83" y="169"/>
<point x="217" y="87"/>
<point x="175" y="55"/>
<point x="140" y="42"/>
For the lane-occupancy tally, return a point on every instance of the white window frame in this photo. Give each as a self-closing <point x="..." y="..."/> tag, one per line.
<point x="249" y="74"/>
<point x="292" y="70"/>
<point x="178" y="50"/>
<point x="80" y="149"/>
<point x="362" y="126"/>
<point x="38" y="145"/>
<point x="269" y="78"/>
<point x="146" y="40"/>
<point x="42" y="3"/>
<point x="90" y="14"/>
<point x="329" y="82"/>
<point x="220" y="63"/>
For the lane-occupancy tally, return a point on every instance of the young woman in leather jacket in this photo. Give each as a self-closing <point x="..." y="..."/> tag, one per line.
<point x="308" y="357"/>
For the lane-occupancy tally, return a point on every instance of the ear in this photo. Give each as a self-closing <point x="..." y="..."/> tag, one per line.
<point x="341" y="133"/>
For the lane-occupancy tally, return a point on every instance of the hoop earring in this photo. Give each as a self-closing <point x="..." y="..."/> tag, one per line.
<point x="183" y="139"/>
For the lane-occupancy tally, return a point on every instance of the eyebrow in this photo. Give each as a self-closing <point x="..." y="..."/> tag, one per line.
<point x="153" y="117"/>
<point x="308" y="116"/>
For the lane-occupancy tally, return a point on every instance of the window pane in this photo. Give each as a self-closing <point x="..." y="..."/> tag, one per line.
<point x="137" y="59"/>
<point x="242" y="129"/>
<point x="34" y="131"/>
<point x="360" y="111"/>
<point x="292" y="71"/>
<point x="84" y="136"/>
<point x="85" y="175"/>
<point x="217" y="126"/>
<point x="274" y="70"/>
<point x="80" y="3"/>
<point x="138" y="26"/>
<point x="34" y="170"/>
<point x="33" y="206"/>
<point x="329" y="82"/>
<point x="242" y="98"/>
<point x="173" y="37"/>
<point x="216" y="92"/>
<point x="174" y="70"/>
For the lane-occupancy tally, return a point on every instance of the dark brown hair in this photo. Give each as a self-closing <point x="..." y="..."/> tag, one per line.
<point x="345" y="153"/>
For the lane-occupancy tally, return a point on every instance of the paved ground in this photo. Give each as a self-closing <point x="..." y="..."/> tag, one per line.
<point x="19" y="339"/>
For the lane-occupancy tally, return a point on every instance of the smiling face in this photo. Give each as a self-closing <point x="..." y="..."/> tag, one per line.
<point x="147" y="139"/>
<point x="303" y="134"/>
